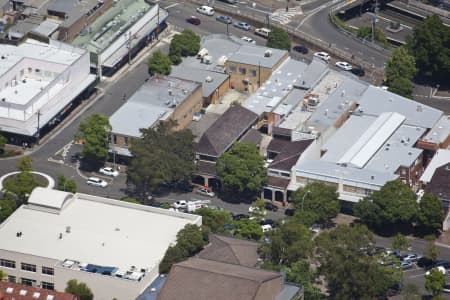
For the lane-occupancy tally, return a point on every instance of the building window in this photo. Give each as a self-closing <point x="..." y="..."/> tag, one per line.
<point x="11" y="278"/>
<point x="253" y="73"/>
<point x="26" y="281"/>
<point x="48" y="271"/>
<point x="28" y="267"/>
<point x="232" y="69"/>
<point x="22" y="72"/>
<point x="367" y="192"/>
<point x="285" y="174"/>
<point x="37" y="71"/>
<point x="47" y="285"/>
<point x="125" y="140"/>
<point x="243" y="71"/>
<point x="30" y="70"/>
<point x="114" y="139"/>
<point x="8" y="263"/>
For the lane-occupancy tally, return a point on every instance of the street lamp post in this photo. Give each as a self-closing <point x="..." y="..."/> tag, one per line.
<point x="304" y="196"/>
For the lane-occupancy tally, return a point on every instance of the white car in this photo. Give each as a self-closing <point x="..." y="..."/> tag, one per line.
<point x="440" y="269"/>
<point x="205" y="10"/>
<point x="205" y="192"/>
<point x="181" y="204"/>
<point x="109" y="171"/>
<point x="322" y="55"/>
<point x="96" y="182"/>
<point x="256" y="210"/>
<point x="248" y="40"/>
<point x="196" y="116"/>
<point x="344" y="65"/>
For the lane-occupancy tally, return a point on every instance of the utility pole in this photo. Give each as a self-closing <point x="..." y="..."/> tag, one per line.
<point x="38" y="125"/>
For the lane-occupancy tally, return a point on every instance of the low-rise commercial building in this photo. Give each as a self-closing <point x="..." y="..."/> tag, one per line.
<point x="113" y="246"/>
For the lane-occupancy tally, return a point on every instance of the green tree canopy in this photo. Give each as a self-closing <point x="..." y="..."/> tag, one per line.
<point x="400" y="242"/>
<point x="187" y="43"/>
<point x="434" y="282"/>
<point x="66" y="185"/>
<point x="401" y="64"/>
<point x="431" y="252"/>
<point x="301" y="273"/>
<point x="159" y="63"/>
<point x="431" y="213"/>
<point x="7" y="207"/>
<point x="279" y="39"/>
<point x="95" y="132"/>
<point x="248" y="229"/>
<point x="339" y="252"/>
<point x="394" y="204"/>
<point x="19" y="187"/>
<point x="316" y="203"/>
<point x="215" y="219"/>
<point x="79" y="289"/>
<point x="25" y="164"/>
<point x="365" y="32"/>
<point x="401" y="86"/>
<point x="161" y="155"/>
<point x="242" y="171"/>
<point x="3" y="141"/>
<point x="430" y="46"/>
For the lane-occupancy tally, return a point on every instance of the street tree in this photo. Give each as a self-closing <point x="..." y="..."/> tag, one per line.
<point x="187" y="43"/>
<point x="95" y="132"/>
<point x="3" y="141"/>
<point x="25" y="164"/>
<point x="279" y="39"/>
<point x="431" y="252"/>
<point x="339" y="252"/>
<point x="216" y="220"/>
<point x="394" y="204"/>
<point x="159" y="63"/>
<point x="242" y="171"/>
<point x="401" y="64"/>
<point x="79" y="289"/>
<point x="401" y="86"/>
<point x="430" y="46"/>
<point x="316" y="203"/>
<point x="66" y="185"/>
<point x="161" y="155"/>
<point x="400" y="242"/>
<point x="19" y="187"/>
<point x="431" y="214"/>
<point x="301" y="273"/>
<point x="434" y="282"/>
<point x="248" y="229"/>
<point x="7" y="207"/>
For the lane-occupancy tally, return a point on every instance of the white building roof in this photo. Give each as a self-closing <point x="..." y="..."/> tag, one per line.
<point x="440" y="131"/>
<point x="441" y="158"/>
<point x="49" y="198"/>
<point x="94" y="230"/>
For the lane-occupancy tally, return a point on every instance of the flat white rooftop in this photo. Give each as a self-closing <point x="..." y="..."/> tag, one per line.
<point x="103" y="232"/>
<point x="23" y="92"/>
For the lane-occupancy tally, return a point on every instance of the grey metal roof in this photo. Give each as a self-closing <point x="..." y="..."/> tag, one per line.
<point x="155" y="100"/>
<point x="375" y="101"/>
<point x="255" y="55"/>
<point x="46" y="28"/>
<point x="440" y="131"/>
<point x="74" y="10"/>
<point x="199" y="75"/>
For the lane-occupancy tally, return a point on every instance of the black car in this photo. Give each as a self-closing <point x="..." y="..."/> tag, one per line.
<point x="240" y="216"/>
<point x="301" y="49"/>
<point x="358" y="71"/>
<point x="289" y="212"/>
<point x="270" y="206"/>
<point x="76" y="157"/>
<point x="267" y="222"/>
<point x="193" y="20"/>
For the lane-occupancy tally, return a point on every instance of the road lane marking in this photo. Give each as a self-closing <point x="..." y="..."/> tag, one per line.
<point x="171" y="5"/>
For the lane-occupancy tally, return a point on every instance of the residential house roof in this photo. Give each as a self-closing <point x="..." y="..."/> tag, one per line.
<point x="225" y="131"/>
<point x="440" y="183"/>
<point x="231" y="250"/>
<point x="278" y="182"/>
<point x="441" y="157"/>
<point x="252" y="136"/>
<point x="13" y="291"/>
<point x="206" y="167"/>
<point x="288" y="153"/>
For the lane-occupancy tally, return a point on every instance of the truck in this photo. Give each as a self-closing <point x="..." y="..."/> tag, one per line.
<point x="196" y="204"/>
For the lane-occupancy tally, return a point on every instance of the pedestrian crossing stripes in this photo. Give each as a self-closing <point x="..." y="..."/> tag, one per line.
<point x="283" y="17"/>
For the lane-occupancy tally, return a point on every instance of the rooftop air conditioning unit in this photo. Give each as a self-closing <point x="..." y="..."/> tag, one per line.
<point x="268" y="53"/>
<point x="209" y="79"/>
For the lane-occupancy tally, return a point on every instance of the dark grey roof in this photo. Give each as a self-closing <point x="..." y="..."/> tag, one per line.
<point x="439" y="184"/>
<point x="226" y="130"/>
<point x="252" y="136"/>
<point x="288" y="153"/>
<point x="200" y="75"/>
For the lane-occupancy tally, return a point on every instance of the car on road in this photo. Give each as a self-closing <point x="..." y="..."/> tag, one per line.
<point x="446" y="288"/>
<point x="225" y="19"/>
<point x="445" y="264"/>
<point x="180" y="204"/>
<point x="440" y="269"/>
<point x="256" y="210"/>
<point x="109" y="171"/>
<point x="205" y="192"/>
<point x="344" y="65"/>
<point x="322" y="55"/>
<point x="76" y="157"/>
<point x="266" y="228"/>
<point x="242" y="25"/>
<point x="205" y="10"/>
<point x="270" y="206"/>
<point x="94" y="181"/>
<point x="411" y="257"/>
<point x="406" y="265"/>
<point x="267" y="222"/>
<point x="301" y="49"/>
<point x="263" y="32"/>
<point x="248" y="40"/>
<point x="240" y="216"/>
<point x="358" y="71"/>
<point x="193" y="20"/>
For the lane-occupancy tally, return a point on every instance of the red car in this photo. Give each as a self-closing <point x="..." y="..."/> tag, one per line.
<point x="193" y="20"/>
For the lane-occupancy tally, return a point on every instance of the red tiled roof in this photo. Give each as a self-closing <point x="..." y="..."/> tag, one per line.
<point x="13" y="291"/>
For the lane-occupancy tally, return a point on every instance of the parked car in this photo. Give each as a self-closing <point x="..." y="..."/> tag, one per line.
<point x="289" y="212"/>
<point x="446" y="288"/>
<point x="440" y="269"/>
<point x="109" y="171"/>
<point x="358" y="71"/>
<point x="445" y="264"/>
<point x="242" y="25"/>
<point x="180" y="204"/>
<point x="301" y="49"/>
<point x="225" y="19"/>
<point x="322" y="55"/>
<point x="193" y="20"/>
<point x="94" y="181"/>
<point x="267" y="222"/>
<point x="266" y="228"/>
<point x="263" y="32"/>
<point x="406" y="265"/>
<point x="197" y="116"/>
<point x="205" y="192"/>
<point x="253" y="209"/>
<point x="344" y="65"/>
<point x="205" y="10"/>
<point x="411" y="257"/>
<point x="270" y="206"/>
<point x="248" y="40"/>
<point x="240" y="216"/>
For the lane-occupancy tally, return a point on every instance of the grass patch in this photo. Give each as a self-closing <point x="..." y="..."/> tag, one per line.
<point x="341" y="24"/>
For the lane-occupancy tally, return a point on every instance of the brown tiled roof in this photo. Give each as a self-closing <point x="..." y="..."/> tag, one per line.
<point x="202" y="279"/>
<point x="288" y="153"/>
<point x="440" y="183"/>
<point x="12" y="291"/>
<point x="252" y="136"/>
<point x="226" y="130"/>
<point x="231" y="250"/>
<point x="206" y="167"/>
<point x="278" y="182"/>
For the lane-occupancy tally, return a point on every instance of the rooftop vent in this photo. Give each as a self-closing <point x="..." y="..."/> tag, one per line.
<point x="36" y="295"/>
<point x="19" y="234"/>
<point x="343" y="93"/>
<point x="209" y="79"/>
<point x="268" y="53"/>
<point x="372" y="177"/>
<point x="23" y="292"/>
<point x="9" y="290"/>
<point x="419" y="108"/>
<point x="67" y="229"/>
<point x="169" y="91"/>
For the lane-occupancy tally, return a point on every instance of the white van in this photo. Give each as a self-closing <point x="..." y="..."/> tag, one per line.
<point x="202" y="53"/>
<point x="205" y="10"/>
<point x="263" y="32"/>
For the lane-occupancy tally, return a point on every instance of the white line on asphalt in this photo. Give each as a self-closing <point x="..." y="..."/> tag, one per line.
<point x="171" y="5"/>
